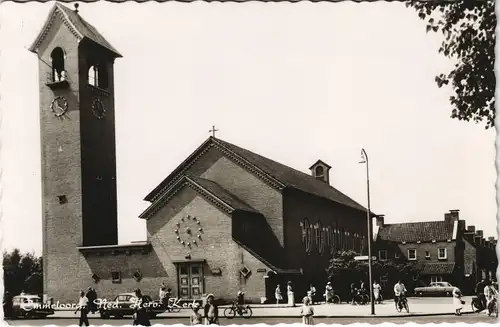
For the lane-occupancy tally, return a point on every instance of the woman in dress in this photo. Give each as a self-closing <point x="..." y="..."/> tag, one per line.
<point x="277" y="294"/>
<point x="376" y="291"/>
<point x="289" y="293"/>
<point x="328" y="292"/>
<point x="196" y="317"/>
<point x="307" y="312"/>
<point x="457" y="301"/>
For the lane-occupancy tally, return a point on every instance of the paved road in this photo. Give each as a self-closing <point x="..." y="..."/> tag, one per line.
<point x="468" y="318"/>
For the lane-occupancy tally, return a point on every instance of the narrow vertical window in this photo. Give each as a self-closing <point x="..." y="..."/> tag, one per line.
<point x="57" y="58"/>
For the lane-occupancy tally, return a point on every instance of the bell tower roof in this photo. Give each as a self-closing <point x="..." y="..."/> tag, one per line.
<point x="79" y="27"/>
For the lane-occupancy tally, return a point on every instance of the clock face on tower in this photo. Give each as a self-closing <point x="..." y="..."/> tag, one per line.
<point x="188" y="231"/>
<point x="59" y="106"/>
<point x="98" y="108"/>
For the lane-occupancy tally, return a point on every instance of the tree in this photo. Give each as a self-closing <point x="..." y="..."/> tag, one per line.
<point x="344" y="270"/>
<point x="468" y="27"/>
<point x="22" y="272"/>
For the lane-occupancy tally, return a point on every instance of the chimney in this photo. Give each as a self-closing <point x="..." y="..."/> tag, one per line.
<point x="380" y="220"/>
<point x="471" y="229"/>
<point x="479" y="233"/>
<point x="491" y="238"/>
<point x="452" y="215"/>
<point x="321" y="171"/>
<point x="461" y="224"/>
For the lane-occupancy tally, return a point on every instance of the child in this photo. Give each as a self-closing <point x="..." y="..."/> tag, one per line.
<point x="307" y="312"/>
<point x="196" y="317"/>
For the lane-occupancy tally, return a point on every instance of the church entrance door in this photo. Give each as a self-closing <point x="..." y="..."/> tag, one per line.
<point x="190" y="280"/>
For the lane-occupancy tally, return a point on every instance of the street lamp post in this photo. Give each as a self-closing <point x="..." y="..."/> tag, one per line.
<point x="364" y="158"/>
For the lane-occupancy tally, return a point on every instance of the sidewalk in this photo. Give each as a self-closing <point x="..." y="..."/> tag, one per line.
<point x="418" y="307"/>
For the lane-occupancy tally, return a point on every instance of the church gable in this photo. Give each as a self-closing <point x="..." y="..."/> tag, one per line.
<point x="209" y="190"/>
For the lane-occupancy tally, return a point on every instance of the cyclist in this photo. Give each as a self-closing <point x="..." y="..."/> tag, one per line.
<point x="480" y="292"/>
<point x="354" y="293"/>
<point x="329" y="292"/>
<point x="399" y="293"/>
<point x="491" y="295"/>
<point x="240" y="302"/>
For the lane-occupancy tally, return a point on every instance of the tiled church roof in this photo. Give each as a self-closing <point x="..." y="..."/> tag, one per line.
<point x="426" y="231"/>
<point x="222" y="194"/>
<point x="282" y="174"/>
<point x="83" y="28"/>
<point x="294" y="178"/>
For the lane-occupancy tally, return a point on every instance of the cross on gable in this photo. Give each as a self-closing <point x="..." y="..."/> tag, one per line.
<point x="213" y="130"/>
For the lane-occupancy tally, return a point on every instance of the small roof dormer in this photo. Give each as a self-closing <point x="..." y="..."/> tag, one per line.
<point x="321" y="171"/>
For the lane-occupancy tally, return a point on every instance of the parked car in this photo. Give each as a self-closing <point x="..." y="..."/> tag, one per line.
<point x="30" y="306"/>
<point x="435" y="289"/>
<point x="123" y="305"/>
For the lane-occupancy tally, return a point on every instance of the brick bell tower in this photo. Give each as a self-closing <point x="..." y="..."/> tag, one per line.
<point x="77" y="124"/>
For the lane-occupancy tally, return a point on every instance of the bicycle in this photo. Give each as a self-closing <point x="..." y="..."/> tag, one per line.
<point x="243" y="311"/>
<point x="334" y="298"/>
<point x="403" y="304"/>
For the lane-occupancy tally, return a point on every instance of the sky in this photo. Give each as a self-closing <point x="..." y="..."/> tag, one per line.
<point x="293" y="82"/>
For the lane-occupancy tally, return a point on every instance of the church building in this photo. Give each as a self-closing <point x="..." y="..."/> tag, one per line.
<point x="226" y="219"/>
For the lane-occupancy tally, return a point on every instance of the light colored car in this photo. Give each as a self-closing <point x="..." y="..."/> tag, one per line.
<point x="30" y="306"/>
<point x="435" y="289"/>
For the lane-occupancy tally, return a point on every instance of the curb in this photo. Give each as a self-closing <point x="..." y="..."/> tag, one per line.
<point x="402" y="315"/>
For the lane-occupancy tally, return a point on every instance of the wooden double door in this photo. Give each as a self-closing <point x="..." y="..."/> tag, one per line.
<point x="190" y="280"/>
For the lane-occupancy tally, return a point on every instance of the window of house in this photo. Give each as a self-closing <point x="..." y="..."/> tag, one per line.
<point x="412" y="254"/>
<point x="319" y="171"/>
<point x="436" y="279"/>
<point x="427" y="254"/>
<point x="57" y="58"/>
<point x="116" y="277"/>
<point x="382" y="255"/>
<point x="396" y="255"/>
<point x="442" y="253"/>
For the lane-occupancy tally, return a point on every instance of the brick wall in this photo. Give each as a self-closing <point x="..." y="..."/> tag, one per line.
<point x="61" y="169"/>
<point x="432" y="248"/>
<point x="250" y="189"/>
<point x="216" y="246"/>
<point x="299" y="205"/>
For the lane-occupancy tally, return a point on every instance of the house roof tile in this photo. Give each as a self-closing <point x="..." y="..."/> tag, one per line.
<point x="426" y="231"/>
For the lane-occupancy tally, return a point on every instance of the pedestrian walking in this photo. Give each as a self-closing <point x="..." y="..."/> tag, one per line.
<point x="377" y="289"/>
<point x="92" y="297"/>
<point x="211" y="311"/>
<point x="141" y="310"/>
<point x="290" y="294"/>
<point x="307" y="312"/>
<point x="83" y="303"/>
<point x="277" y="294"/>
<point x="457" y="301"/>
<point x="196" y="317"/>
<point x="312" y="293"/>
<point x="328" y="292"/>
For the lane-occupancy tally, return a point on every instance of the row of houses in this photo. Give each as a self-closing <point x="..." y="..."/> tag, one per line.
<point x="446" y="250"/>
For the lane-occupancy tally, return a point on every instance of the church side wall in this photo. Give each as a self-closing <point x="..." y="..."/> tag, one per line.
<point x="61" y="168"/>
<point x="297" y="207"/>
<point x="250" y="189"/>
